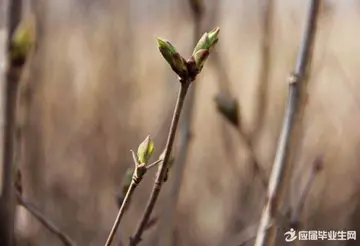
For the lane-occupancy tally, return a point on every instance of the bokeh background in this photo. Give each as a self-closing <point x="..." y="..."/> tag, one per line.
<point x="98" y="86"/>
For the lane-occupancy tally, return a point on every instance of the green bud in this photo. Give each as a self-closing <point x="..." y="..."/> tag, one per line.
<point x="213" y="36"/>
<point x="207" y="41"/>
<point x="145" y="150"/>
<point x="22" y="42"/>
<point x="175" y="60"/>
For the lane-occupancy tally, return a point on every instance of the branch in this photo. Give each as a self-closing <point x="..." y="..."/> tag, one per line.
<point x="228" y="108"/>
<point x="281" y="170"/>
<point x="43" y="220"/>
<point x="9" y="93"/>
<point x="140" y="159"/>
<point x="165" y="228"/>
<point x="121" y="212"/>
<point x="295" y="217"/>
<point x="187" y="70"/>
<point x="136" y="238"/>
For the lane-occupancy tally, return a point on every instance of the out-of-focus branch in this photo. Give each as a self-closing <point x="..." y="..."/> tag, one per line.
<point x="249" y="233"/>
<point x="267" y="37"/>
<point x="167" y="221"/>
<point x="226" y="100"/>
<point x="9" y="94"/>
<point x="281" y="170"/>
<point x="228" y="108"/>
<point x="65" y="239"/>
<point x="299" y="207"/>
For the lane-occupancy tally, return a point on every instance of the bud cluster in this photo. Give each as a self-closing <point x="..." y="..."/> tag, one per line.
<point x="190" y="68"/>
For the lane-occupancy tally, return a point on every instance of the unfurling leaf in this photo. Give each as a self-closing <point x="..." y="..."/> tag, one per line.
<point x="207" y="41"/>
<point x="145" y="150"/>
<point x="228" y="108"/>
<point x="175" y="60"/>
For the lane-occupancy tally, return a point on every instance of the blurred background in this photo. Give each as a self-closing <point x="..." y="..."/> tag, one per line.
<point x="98" y="86"/>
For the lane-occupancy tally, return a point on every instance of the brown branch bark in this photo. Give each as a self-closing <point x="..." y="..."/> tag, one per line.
<point x="163" y="168"/>
<point x="9" y="94"/>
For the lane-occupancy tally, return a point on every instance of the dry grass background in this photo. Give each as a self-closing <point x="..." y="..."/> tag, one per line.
<point x="99" y="86"/>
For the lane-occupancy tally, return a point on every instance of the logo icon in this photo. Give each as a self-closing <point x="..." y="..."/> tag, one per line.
<point x="290" y="236"/>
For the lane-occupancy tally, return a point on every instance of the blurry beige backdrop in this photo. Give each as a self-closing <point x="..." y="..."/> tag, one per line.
<point x="99" y="86"/>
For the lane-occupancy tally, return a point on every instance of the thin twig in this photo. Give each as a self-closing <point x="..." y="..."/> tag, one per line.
<point x="266" y="43"/>
<point x="249" y="233"/>
<point x="121" y="212"/>
<point x="65" y="239"/>
<point x="135" y="180"/>
<point x="256" y="165"/>
<point x="163" y="168"/>
<point x="281" y="170"/>
<point x="13" y="73"/>
<point x="153" y="164"/>
<point x="165" y="227"/>
<point x="299" y="207"/>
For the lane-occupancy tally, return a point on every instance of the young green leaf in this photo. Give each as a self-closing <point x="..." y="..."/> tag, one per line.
<point x="207" y="41"/>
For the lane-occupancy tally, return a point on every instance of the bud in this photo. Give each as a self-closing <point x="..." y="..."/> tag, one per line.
<point x="175" y="60"/>
<point x="207" y="41"/>
<point x="200" y="58"/>
<point x="22" y="42"/>
<point x="213" y="36"/>
<point x="145" y="150"/>
<point x="228" y="108"/>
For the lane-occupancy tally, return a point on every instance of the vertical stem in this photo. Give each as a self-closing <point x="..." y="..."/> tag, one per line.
<point x="163" y="168"/>
<point x="165" y="228"/>
<point x="7" y="199"/>
<point x="281" y="170"/>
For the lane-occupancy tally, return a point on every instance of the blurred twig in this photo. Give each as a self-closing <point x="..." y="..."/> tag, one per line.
<point x="166" y="224"/>
<point x="267" y="37"/>
<point x="299" y="207"/>
<point x="249" y="233"/>
<point x="226" y="100"/>
<point x="9" y="93"/>
<point x="281" y="170"/>
<point x="228" y="108"/>
<point x="65" y="239"/>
